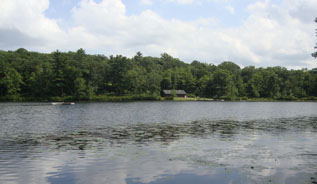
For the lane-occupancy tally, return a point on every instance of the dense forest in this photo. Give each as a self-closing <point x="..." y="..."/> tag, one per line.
<point x="32" y="76"/>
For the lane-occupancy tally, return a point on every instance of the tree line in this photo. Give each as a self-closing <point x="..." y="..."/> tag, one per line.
<point x="76" y="75"/>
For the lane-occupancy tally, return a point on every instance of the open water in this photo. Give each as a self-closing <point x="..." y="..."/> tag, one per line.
<point x="159" y="143"/>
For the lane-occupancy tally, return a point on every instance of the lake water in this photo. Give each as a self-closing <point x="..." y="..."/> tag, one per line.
<point x="159" y="143"/>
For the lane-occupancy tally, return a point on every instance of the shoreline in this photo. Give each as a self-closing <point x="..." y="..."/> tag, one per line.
<point x="147" y="98"/>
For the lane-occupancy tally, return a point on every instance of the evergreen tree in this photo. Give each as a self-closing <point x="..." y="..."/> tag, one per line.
<point x="315" y="53"/>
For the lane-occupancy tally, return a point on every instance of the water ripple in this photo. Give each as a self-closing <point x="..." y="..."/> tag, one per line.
<point x="92" y="137"/>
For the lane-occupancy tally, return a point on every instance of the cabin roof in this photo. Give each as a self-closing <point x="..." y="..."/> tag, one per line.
<point x="177" y="92"/>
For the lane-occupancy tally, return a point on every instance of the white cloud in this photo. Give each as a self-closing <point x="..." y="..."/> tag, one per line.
<point x="196" y="1"/>
<point x="147" y="2"/>
<point x="183" y="1"/>
<point x="24" y="21"/>
<point x="230" y="9"/>
<point x="272" y="35"/>
<point x="277" y="37"/>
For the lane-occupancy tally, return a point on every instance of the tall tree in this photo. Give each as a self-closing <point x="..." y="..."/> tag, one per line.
<point x="223" y="84"/>
<point x="119" y="66"/>
<point x="315" y="53"/>
<point x="59" y="64"/>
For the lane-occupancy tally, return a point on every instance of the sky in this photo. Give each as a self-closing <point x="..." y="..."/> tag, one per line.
<point x="261" y="33"/>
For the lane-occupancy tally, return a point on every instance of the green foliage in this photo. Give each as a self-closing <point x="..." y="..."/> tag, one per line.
<point x="11" y="82"/>
<point x="76" y="75"/>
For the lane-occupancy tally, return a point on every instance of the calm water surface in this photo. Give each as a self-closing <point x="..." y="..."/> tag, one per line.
<point x="159" y="143"/>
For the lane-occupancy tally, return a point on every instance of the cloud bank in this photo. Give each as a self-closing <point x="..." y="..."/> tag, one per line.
<point x="272" y="34"/>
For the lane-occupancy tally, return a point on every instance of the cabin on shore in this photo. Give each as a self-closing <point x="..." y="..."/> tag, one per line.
<point x="172" y="93"/>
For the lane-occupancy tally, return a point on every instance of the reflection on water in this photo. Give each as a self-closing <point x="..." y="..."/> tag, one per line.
<point x="138" y="150"/>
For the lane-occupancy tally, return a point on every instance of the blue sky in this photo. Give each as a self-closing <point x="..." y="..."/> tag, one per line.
<point x="169" y="10"/>
<point x="247" y="32"/>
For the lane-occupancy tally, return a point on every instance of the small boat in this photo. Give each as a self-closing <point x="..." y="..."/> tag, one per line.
<point x="57" y="103"/>
<point x="68" y="103"/>
<point x="63" y="103"/>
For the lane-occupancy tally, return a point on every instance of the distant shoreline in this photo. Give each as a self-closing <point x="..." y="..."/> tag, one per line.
<point x="149" y="98"/>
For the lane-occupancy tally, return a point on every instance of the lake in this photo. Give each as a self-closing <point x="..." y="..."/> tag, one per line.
<point x="159" y="143"/>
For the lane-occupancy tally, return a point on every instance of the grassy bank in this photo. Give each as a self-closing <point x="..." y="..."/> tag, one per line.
<point x="95" y="98"/>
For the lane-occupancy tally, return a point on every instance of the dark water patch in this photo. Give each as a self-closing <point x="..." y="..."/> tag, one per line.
<point x="227" y="176"/>
<point x="220" y="177"/>
<point x="156" y="132"/>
